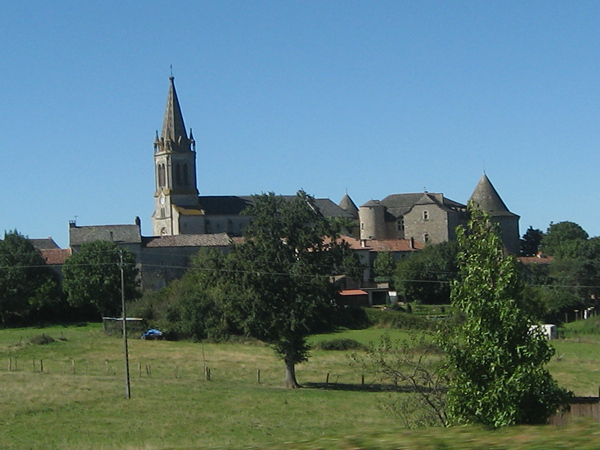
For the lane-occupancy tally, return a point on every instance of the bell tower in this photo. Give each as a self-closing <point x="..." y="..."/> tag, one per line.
<point x="174" y="168"/>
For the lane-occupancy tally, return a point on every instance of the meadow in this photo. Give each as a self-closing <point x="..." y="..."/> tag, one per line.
<point x="69" y="393"/>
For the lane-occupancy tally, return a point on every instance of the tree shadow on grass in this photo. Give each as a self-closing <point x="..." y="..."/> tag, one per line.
<point x="373" y="387"/>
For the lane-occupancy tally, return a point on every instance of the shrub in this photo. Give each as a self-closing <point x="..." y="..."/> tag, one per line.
<point x="340" y="344"/>
<point x="394" y="319"/>
<point x="42" y="339"/>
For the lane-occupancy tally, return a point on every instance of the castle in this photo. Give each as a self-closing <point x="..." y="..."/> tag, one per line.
<point x="183" y="221"/>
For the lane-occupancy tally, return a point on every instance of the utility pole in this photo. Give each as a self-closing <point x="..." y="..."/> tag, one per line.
<point x="125" y="351"/>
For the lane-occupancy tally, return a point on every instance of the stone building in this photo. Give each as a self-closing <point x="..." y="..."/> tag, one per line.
<point x="160" y="259"/>
<point x="432" y="218"/>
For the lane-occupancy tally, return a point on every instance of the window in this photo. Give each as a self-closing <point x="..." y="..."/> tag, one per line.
<point x="425" y="215"/>
<point x="161" y="175"/>
<point x="185" y="175"/>
<point x="426" y="238"/>
<point x="362" y="225"/>
<point x="401" y="224"/>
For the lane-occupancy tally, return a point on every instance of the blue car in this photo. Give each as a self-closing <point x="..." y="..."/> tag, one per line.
<point x="153" y="334"/>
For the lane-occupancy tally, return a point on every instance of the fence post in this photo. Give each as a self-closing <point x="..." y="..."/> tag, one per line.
<point x="258" y="376"/>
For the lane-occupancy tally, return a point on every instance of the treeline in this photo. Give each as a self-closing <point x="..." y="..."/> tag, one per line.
<point x="562" y="281"/>
<point x="31" y="293"/>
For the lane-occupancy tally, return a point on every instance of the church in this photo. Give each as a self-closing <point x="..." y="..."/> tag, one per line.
<point x="178" y="208"/>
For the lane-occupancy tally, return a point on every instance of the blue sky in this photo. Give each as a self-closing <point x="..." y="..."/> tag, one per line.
<point x="372" y="97"/>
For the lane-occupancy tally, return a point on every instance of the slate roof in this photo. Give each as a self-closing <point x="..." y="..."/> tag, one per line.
<point x="224" y="205"/>
<point x="231" y="205"/>
<point x="44" y="244"/>
<point x="488" y="199"/>
<point x="188" y="240"/>
<point x="349" y="206"/>
<point x="400" y="204"/>
<point x="173" y="129"/>
<point x="126" y="234"/>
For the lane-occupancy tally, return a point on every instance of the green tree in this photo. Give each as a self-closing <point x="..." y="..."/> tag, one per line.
<point x="384" y="266"/>
<point x="498" y="361"/>
<point x="92" y="277"/>
<point x="425" y="276"/>
<point x="279" y="277"/>
<point x="561" y="234"/>
<point x="531" y="241"/>
<point x="27" y="285"/>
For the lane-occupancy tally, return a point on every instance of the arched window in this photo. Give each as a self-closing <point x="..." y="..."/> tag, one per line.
<point x="161" y="175"/>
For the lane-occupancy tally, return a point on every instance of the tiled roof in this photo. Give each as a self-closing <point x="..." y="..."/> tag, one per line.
<point x="44" y="244"/>
<point x="346" y="292"/>
<point x="55" y="256"/>
<point x="535" y="259"/>
<point x="188" y="211"/>
<point x="126" y="234"/>
<point x="386" y="245"/>
<point x="189" y="240"/>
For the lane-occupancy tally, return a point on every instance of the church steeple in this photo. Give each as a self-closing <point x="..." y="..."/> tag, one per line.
<point x="174" y="167"/>
<point x="173" y="136"/>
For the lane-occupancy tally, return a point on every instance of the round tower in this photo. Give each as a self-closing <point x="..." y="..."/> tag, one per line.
<point x="372" y="220"/>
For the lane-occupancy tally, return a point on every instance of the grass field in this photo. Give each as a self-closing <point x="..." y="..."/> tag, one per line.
<point x="78" y="400"/>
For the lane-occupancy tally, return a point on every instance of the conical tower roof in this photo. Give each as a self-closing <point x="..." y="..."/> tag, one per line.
<point x="488" y="199"/>
<point x="173" y="131"/>
<point x="348" y="205"/>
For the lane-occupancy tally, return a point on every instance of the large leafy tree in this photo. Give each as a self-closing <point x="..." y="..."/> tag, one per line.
<point x="425" y="276"/>
<point x="498" y="360"/>
<point x="26" y="284"/>
<point x="92" y="276"/>
<point x="560" y="234"/>
<point x="280" y="275"/>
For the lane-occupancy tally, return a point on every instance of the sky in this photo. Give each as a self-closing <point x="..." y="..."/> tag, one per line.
<point x="371" y="98"/>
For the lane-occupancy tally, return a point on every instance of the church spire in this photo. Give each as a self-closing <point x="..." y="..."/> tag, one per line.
<point x="173" y="136"/>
